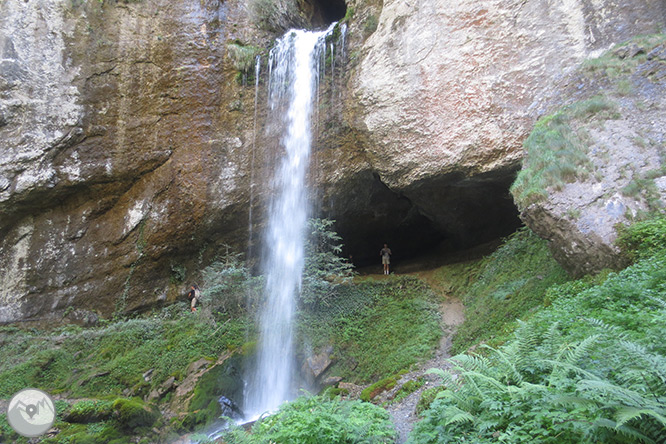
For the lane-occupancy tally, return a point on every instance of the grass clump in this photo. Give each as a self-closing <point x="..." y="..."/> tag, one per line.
<point x="243" y="57"/>
<point x="509" y="284"/>
<point x="90" y="410"/>
<point x="315" y="420"/>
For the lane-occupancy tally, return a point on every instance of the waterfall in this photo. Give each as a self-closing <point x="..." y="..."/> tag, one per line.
<point x="257" y="72"/>
<point x="294" y="65"/>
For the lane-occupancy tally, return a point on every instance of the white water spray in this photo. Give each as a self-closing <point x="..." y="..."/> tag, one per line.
<point x="294" y="75"/>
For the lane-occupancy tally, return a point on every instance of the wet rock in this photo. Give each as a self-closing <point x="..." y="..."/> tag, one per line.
<point x="331" y="381"/>
<point x="315" y="366"/>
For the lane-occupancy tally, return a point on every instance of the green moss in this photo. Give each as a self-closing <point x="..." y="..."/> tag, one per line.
<point x="509" y="285"/>
<point x="371" y="392"/>
<point x="90" y="411"/>
<point x="224" y="379"/>
<point x="133" y="413"/>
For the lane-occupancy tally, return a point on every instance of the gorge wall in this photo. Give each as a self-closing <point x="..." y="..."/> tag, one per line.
<point x="130" y="158"/>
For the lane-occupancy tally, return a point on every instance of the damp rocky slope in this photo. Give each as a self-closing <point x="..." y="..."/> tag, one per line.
<point x="131" y="154"/>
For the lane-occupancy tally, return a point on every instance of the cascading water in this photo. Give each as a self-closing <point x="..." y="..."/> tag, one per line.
<point x="294" y="75"/>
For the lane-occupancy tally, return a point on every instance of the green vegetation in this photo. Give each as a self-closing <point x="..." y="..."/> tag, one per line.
<point x="373" y="390"/>
<point x="556" y="153"/>
<point x="243" y="57"/>
<point x="377" y="328"/>
<point x="505" y="286"/>
<point x="589" y="368"/>
<point x="107" y="362"/>
<point x="370" y="25"/>
<point x="316" y="420"/>
<point x="324" y="269"/>
<point x="408" y="388"/>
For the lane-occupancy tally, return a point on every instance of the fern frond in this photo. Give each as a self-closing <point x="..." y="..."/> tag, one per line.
<point x="626" y="414"/>
<point x="659" y="301"/>
<point x="612" y="331"/>
<point x="631" y="433"/>
<point x="655" y="364"/>
<point x="471" y="362"/>
<point x="449" y="379"/>
<point x="514" y="375"/>
<point x="570" y="367"/>
<point x="622" y="395"/>
<point x="459" y="417"/>
<point x="573" y="401"/>
<point x="488" y="380"/>
<point x="575" y="354"/>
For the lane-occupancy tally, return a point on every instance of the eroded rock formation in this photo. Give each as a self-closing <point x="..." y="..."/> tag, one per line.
<point x="446" y="92"/>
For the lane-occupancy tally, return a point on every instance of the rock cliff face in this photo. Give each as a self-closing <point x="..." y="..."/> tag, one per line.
<point x="447" y="92"/>
<point x="121" y="153"/>
<point x="128" y="141"/>
<point x="614" y="123"/>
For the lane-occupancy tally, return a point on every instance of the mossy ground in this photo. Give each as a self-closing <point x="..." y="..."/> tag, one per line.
<point x="504" y="286"/>
<point x="377" y="327"/>
<point x="105" y="365"/>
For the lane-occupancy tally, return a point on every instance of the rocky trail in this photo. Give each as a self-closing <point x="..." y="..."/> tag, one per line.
<point x="403" y="411"/>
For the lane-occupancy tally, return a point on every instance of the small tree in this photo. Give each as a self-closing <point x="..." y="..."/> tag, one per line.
<point x="324" y="268"/>
<point x="229" y="287"/>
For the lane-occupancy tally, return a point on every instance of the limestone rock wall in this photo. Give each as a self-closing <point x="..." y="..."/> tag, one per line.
<point x="446" y="92"/>
<point x="122" y="153"/>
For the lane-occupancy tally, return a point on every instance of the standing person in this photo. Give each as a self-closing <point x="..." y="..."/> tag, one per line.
<point x="194" y="295"/>
<point x="385" y="253"/>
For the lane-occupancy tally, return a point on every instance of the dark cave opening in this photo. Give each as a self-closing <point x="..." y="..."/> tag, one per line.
<point x="322" y="13"/>
<point x="442" y="217"/>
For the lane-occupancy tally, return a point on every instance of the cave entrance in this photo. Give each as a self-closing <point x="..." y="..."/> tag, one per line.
<point x="322" y="13"/>
<point x="437" y="219"/>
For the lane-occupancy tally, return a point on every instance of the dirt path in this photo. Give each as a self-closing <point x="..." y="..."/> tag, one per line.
<point x="403" y="412"/>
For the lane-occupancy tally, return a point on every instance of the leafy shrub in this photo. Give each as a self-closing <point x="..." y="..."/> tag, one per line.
<point x="229" y="288"/>
<point x="317" y="420"/>
<point x="427" y="398"/>
<point x="643" y="239"/>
